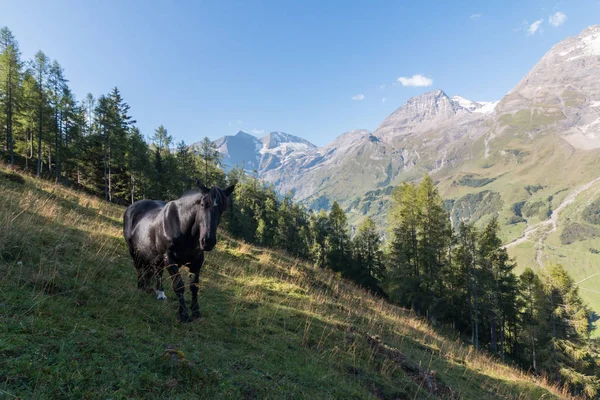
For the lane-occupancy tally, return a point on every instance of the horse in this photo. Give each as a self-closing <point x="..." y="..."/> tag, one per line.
<point x="167" y="235"/>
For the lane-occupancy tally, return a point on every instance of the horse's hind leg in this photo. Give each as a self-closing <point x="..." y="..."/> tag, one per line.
<point x="145" y="276"/>
<point x="160" y="290"/>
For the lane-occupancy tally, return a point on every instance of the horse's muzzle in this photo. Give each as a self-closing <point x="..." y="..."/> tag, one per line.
<point x="207" y="244"/>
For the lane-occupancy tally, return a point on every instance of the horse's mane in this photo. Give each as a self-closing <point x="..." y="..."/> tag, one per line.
<point x="215" y="193"/>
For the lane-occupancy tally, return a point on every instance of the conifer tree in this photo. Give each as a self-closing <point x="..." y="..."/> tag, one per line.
<point x="368" y="256"/>
<point x="39" y="65"/>
<point x="10" y="80"/>
<point x="338" y="240"/>
<point x="320" y="230"/>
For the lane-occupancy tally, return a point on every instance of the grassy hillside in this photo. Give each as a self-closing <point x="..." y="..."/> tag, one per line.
<point x="73" y="324"/>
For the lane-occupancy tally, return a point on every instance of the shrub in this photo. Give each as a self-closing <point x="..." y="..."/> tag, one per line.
<point x="576" y="232"/>
<point x="591" y="213"/>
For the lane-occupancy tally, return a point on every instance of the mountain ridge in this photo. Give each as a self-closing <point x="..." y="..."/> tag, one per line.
<point x="484" y="156"/>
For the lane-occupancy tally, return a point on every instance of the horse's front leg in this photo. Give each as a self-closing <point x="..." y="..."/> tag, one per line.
<point x="160" y="290"/>
<point x="178" y="287"/>
<point x="195" y="270"/>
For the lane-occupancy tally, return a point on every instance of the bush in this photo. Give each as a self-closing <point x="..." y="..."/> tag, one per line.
<point x="591" y="213"/>
<point x="515" y="219"/>
<point x="472" y="181"/>
<point x="517" y="208"/>
<point x="533" y="188"/>
<point x="576" y="232"/>
<point x="531" y="209"/>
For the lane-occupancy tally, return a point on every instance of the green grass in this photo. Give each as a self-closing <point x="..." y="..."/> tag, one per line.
<point x="73" y="324"/>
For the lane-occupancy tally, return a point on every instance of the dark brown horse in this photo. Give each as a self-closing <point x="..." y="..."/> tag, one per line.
<point x="168" y="235"/>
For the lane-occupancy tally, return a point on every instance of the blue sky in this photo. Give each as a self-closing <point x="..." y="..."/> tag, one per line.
<point x="210" y="68"/>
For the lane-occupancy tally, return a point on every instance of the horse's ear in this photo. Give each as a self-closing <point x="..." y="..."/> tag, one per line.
<point x="229" y="189"/>
<point x="202" y="188"/>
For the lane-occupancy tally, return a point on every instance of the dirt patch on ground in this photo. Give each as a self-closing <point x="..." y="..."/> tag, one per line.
<point x="426" y="379"/>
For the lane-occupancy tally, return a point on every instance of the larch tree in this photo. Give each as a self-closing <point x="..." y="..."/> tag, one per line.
<point x="10" y="81"/>
<point x="39" y="66"/>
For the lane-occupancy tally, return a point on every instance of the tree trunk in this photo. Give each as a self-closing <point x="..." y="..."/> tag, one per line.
<point x="109" y="171"/>
<point x="56" y="141"/>
<point x="493" y="335"/>
<point x="475" y="298"/>
<point x="105" y="168"/>
<point x="9" y="116"/>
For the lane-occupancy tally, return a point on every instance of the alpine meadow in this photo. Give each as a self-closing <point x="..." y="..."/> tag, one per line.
<point x="452" y="252"/>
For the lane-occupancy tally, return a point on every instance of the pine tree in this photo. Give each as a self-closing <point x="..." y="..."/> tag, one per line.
<point x="338" y="241"/>
<point x="434" y="236"/>
<point x="570" y="361"/>
<point x="533" y="317"/>
<point x="57" y="85"/>
<point x="499" y="285"/>
<point x="186" y="166"/>
<point x="368" y="257"/>
<point x="320" y="230"/>
<point x="40" y="65"/>
<point x="467" y="273"/>
<point x="211" y="160"/>
<point x="10" y="79"/>
<point x="138" y="160"/>
<point x="404" y="276"/>
<point x="161" y="140"/>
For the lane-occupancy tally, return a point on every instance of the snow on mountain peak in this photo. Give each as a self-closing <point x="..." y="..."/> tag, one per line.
<point x="482" y="107"/>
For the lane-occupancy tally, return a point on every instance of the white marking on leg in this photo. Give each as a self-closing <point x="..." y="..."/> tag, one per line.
<point x="160" y="295"/>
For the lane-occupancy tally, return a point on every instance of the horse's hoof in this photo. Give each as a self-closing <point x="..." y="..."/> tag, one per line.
<point x="160" y="295"/>
<point x="196" y="315"/>
<point x="185" y="318"/>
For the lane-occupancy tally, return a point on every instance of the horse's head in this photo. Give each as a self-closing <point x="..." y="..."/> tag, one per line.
<point x="212" y="205"/>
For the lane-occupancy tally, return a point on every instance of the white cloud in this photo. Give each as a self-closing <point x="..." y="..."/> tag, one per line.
<point x="358" y="97"/>
<point x="533" y="28"/>
<point x="416" y="80"/>
<point x="383" y="100"/>
<point x="257" y="131"/>
<point x="239" y="122"/>
<point x="476" y="16"/>
<point x="557" y="19"/>
<point x="382" y="86"/>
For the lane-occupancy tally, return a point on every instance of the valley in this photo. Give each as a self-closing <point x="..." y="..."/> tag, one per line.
<point x="530" y="158"/>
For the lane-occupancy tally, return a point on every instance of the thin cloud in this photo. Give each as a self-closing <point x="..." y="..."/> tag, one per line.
<point x="358" y="97"/>
<point x="416" y="80"/>
<point x="382" y="86"/>
<point x="257" y="131"/>
<point x="383" y="100"/>
<point x="557" y="19"/>
<point x="533" y="28"/>
<point x="476" y="16"/>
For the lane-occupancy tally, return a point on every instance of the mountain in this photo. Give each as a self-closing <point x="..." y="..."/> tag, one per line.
<point x="261" y="154"/>
<point x="531" y="159"/>
<point x="562" y="91"/>
<point x="241" y="149"/>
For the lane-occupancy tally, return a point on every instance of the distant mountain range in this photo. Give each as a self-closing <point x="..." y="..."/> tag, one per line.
<point x="532" y="159"/>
